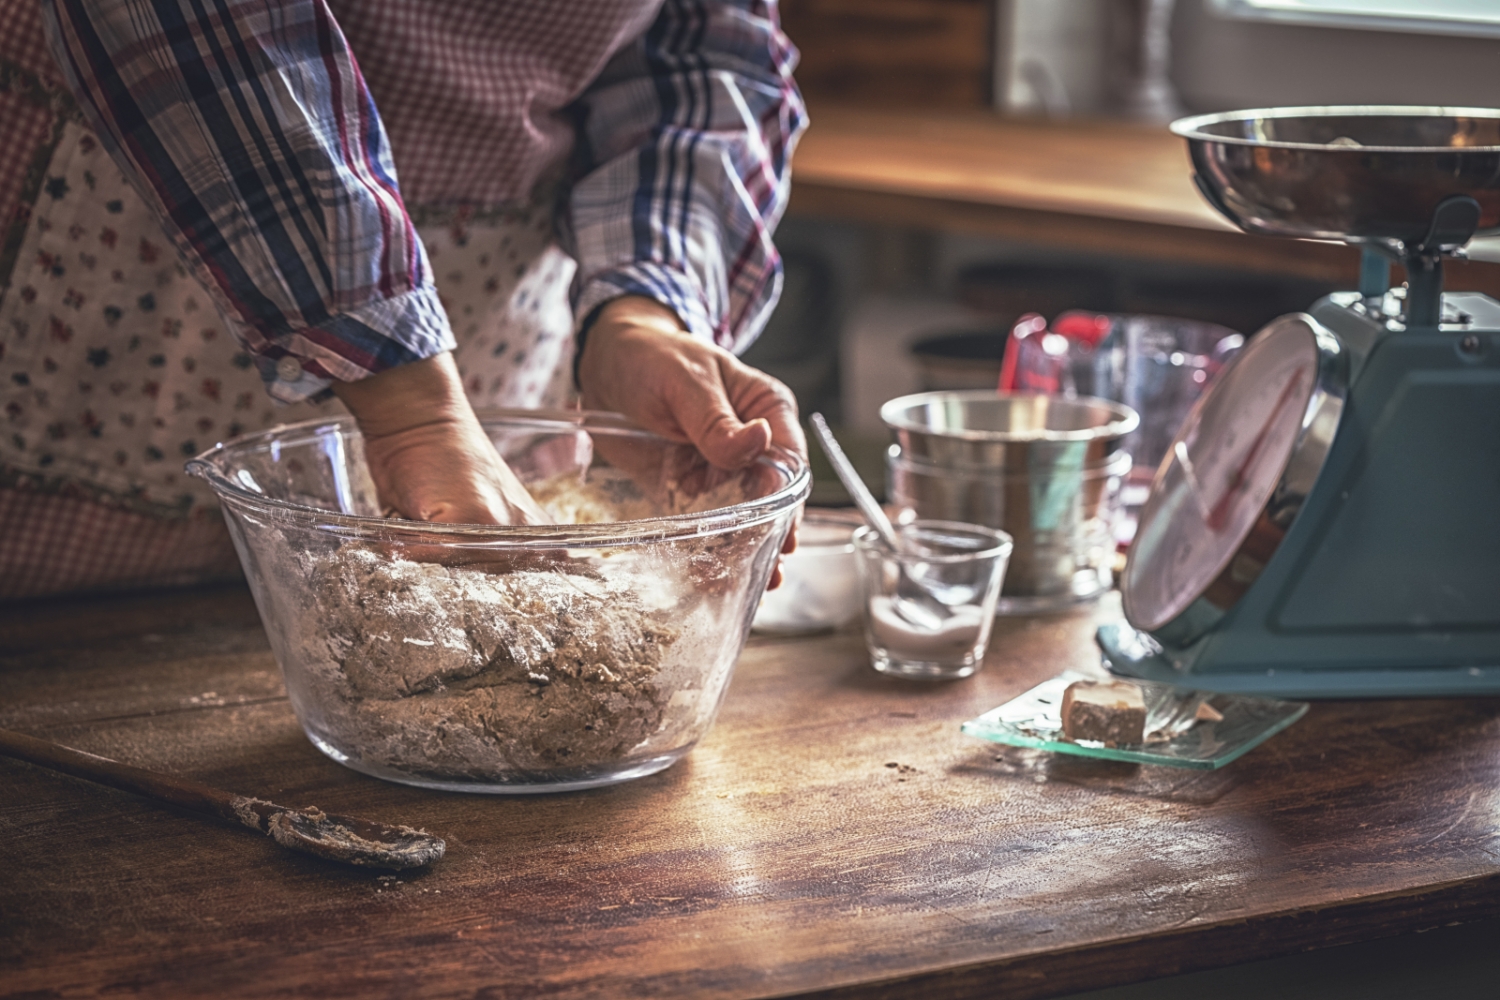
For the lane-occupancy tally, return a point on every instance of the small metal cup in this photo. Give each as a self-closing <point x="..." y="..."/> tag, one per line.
<point x="986" y="431"/>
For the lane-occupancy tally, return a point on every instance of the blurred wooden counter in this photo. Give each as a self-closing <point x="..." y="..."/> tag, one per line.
<point x="1110" y="188"/>
<point x="835" y="835"/>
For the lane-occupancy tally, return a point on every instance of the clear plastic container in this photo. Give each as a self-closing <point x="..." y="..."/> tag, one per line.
<point x="820" y="581"/>
<point x="517" y="658"/>
<point x="1157" y="365"/>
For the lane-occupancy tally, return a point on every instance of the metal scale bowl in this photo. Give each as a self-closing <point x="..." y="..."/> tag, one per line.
<point x="1327" y="521"/>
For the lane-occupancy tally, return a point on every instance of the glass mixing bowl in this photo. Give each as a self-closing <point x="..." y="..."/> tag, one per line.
<point x="513" y="658"/>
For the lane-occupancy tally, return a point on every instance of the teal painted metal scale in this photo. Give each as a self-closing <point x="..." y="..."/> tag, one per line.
<point x="1327" y="522"/>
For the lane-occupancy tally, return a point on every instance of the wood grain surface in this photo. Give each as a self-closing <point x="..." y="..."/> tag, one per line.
<point x="1098" y="169"/>
<point x="834" y="835"/>
<point x="906" y="53"/>
<point x="1103" y="187"/>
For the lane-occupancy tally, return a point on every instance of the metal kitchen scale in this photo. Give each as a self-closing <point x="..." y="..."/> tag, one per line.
<point x="1327" y="522"/>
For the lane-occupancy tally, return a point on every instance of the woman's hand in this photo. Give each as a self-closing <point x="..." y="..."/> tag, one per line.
<point x="428" y="455"/>
<point x="639" y="361"/>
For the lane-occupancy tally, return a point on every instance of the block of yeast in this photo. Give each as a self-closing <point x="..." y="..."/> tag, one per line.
<point x="1111" y="712"/>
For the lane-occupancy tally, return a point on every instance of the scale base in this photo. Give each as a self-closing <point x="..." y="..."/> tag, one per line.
<point x="1128" y="653"/>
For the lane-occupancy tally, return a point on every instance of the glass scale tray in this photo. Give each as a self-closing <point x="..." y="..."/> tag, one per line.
<point x="1174" y="734"/>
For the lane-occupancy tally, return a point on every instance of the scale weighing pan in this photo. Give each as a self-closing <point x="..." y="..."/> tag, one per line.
<point x="1327" y="521"/>
<point x="1350" y="173"/>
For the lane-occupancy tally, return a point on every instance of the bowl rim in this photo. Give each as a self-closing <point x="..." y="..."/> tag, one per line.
<point x="1123" y="419"/>
<point x="791" y="466"/>
<point x="844" y="517"/>
<point x="867" y="539"/>
<point x="1191" y="128"/>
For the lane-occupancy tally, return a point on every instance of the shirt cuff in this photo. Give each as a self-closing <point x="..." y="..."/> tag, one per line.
<point x="303" y="364"/>
<point x="679" y="291"/>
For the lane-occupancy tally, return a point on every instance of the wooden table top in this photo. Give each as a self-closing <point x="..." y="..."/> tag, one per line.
<point x="834" y="835"/>
<point x="1106" y="187"/>
<point x="1102" y="169"/>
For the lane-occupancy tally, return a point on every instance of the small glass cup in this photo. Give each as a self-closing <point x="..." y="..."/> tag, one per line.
<point x="930" y="607"/>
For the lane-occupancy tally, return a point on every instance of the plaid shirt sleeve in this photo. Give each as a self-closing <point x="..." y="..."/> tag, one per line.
<point x="684" y="155"/>
<point x="250" y="130"/>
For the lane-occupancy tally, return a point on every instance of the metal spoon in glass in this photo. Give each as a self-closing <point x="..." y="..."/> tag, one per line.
<point x="913" y="601"/>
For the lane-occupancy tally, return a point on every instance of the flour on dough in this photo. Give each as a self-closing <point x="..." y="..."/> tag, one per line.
<point x="457" y="673"/>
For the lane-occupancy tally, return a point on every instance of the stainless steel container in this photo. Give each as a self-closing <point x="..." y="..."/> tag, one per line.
<point x="1007" y="432"/>
<point x="1045" y="470"/>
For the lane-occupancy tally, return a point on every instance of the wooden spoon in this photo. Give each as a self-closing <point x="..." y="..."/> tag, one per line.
<point x="311" y="831"/>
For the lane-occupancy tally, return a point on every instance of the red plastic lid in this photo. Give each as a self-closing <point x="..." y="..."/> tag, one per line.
<point x="1084" y="327"/>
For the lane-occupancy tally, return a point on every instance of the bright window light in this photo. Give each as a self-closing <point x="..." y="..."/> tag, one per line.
<point x="1445" y="17"/>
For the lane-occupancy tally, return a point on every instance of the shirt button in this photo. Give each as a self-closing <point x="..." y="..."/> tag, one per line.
<point x="288" y="369"/>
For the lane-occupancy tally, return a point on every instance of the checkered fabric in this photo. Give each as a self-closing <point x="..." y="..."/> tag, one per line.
<point x="688" y="116"/>
<point x="693" y="126"/>
<point x="270" y="171"/>
<point x="273" y="173"/>
<point x="22" y="46"/>
<point x="663" y="129"/>
<point x="28" y="125"/>
<point x="471" y="91"/>
<point x="31" y="94"/>
<point x="57" y="544"/>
